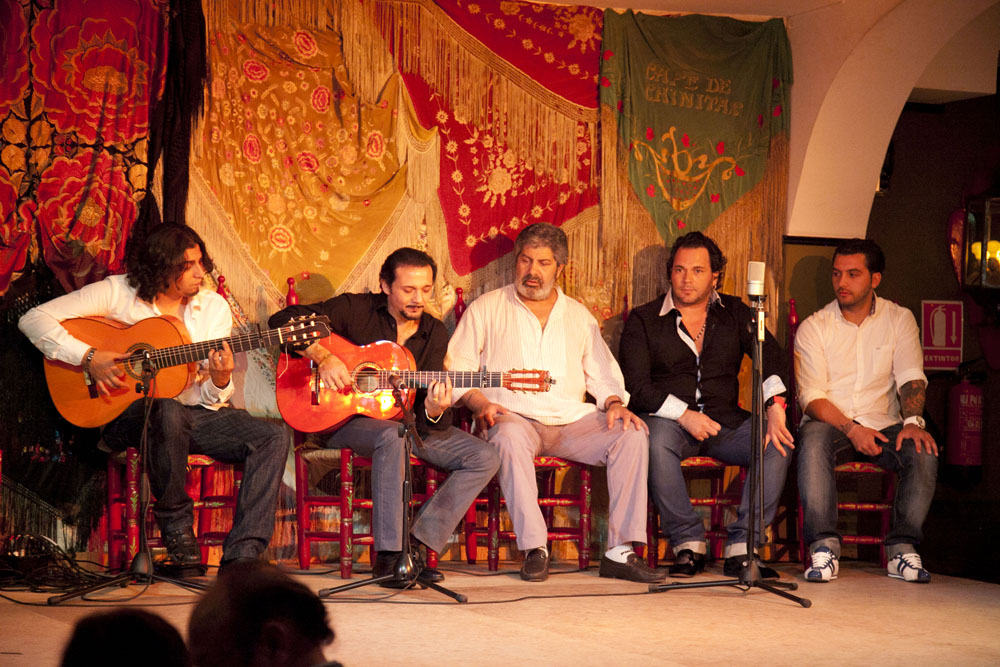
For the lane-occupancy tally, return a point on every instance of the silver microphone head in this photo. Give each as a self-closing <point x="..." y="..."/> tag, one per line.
<point x="755" y="278"/>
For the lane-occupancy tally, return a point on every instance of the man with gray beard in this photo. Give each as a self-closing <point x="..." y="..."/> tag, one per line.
<point x="533" y="324"/>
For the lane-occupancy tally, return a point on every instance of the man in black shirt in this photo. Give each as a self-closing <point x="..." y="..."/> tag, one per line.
<point x="397" y="314"/>
<point x="681" y="357"/>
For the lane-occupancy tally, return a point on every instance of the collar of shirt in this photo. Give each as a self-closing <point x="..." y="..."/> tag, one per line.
<point x="668" y="302"/>
<point x="382" y="307"/>
<point x="558" y="308"/>
<point x="871" y="312"/>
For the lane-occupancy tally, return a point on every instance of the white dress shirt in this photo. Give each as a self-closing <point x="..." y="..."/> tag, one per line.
<point x="859" y="368"/>
<point x="498" y="331"/>
<point x="206" y="316"/>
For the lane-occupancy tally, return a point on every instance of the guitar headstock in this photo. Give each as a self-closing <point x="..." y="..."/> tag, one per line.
<point x="527" y="380"/>
<point x="305" y="329"/>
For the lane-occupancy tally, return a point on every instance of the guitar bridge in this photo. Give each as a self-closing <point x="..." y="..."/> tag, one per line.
<point x="91" y="385"/>
<point x="316" y="382"/>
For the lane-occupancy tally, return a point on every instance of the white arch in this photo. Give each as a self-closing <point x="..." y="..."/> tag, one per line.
<point x="859" y="112"/>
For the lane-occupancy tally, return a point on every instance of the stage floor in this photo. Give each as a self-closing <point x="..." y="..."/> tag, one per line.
<point x="576" y="618"/>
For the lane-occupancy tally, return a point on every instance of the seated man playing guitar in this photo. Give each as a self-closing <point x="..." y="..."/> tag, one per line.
<point x="397" y="314"/>
<point x="164" y="281"/>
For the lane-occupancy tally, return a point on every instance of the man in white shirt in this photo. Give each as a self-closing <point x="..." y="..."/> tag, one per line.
<point x="533" y="324"/>
<point x="165" y="279"/>
<point x="852" y="358"/>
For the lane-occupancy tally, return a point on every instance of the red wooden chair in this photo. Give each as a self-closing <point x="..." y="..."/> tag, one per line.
<point x="207" y="484"/>
<point x="548" y="500"/>
<point x="347" y="501"/>
<point x="717" y="500"/>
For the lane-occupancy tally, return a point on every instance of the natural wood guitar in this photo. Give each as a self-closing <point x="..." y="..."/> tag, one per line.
<point x="308" y="406"/>
<point x="160" y="344"/>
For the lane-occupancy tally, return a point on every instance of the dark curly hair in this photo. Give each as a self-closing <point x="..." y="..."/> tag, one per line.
<point x="717" y="260"/>
<point x="158" y="260"/>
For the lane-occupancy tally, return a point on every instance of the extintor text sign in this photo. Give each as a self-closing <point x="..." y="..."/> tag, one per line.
<point x="941" y="334"/>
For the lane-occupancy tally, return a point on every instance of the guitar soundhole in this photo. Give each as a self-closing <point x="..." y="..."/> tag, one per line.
<point x="136" y="360"/>
<point x="366" y="379"/>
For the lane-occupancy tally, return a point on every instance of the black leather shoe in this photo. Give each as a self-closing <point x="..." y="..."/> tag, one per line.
<point x="535" y="566"/>
<point x="235" y="565"/>
<point x="182" y="547"/>
<point x="385" y="563"/>
<point x="734" y="565"/>
<point x="632" y="569"/>
<point x="687" y="564"/>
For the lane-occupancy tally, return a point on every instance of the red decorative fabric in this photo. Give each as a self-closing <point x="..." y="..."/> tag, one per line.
<point x="76" y="93"/>
<point x="489" y="193"/>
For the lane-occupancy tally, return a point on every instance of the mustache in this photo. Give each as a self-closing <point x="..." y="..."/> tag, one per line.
<point x="524" y="280"/>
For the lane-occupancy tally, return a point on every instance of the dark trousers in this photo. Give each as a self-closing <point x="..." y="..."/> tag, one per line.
<point x="227" y="435"/>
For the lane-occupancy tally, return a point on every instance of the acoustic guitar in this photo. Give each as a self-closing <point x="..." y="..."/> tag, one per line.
<point x="307" y="405"/>
<point x="159" y="345"/>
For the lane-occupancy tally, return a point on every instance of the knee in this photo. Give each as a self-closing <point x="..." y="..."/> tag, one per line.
<point x="666" y="440"/>
<point x="484" y="459"/>
<point x="924" y="466"/>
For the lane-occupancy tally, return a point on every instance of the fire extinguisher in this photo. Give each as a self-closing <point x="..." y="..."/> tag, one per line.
<point x="964" y="453"/>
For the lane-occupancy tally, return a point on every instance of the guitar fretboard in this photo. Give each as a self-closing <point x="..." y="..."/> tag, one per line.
<point x="459" y="379"/>
<point x="193" y="352"/>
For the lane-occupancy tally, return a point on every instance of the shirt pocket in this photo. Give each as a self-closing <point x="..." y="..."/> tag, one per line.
<point x="880" y="363"/>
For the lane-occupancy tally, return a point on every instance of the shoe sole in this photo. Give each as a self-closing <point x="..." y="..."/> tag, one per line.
<point x="534" y="577"/>
<point x="821" y="581"/>
<point x="909" y="581"/>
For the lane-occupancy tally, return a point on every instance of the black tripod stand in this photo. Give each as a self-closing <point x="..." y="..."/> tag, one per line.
<point x="750" y="572"/>
<point x="408" y="567"/>
<point x="141" y="568"/>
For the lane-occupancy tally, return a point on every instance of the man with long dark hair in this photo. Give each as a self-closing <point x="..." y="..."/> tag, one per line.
<point x="165" y="275"/>
<point x="681" y="356"/>
<point x="396" y="313"/>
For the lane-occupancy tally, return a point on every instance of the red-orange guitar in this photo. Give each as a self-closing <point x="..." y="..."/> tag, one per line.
<point x="308" y="406"/>
<point x="162" y="342"/>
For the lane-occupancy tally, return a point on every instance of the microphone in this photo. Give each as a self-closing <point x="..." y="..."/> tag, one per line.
<point x="755" y="279"/>
<point x="397" y="382"/>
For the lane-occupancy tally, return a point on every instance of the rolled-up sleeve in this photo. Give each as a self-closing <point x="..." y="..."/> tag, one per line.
<point x="811" y="373"/>
<point x="908" y="356"/>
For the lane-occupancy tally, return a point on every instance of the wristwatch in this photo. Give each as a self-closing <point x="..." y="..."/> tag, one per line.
<point x="917" y="421"/>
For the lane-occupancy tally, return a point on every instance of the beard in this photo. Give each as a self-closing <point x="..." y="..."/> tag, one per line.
<point x="412" y="315"/>
<point x="540" y="293"/>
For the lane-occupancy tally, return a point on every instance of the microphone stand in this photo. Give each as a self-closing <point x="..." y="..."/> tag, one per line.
<point x="750" y="572"/>
<point x="141" y="567"/>
<point x="408" y="568"/>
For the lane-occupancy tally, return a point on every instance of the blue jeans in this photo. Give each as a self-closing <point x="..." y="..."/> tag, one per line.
<point x="471" y="461"/>
<point x="228" y="435"/>
<point x="821" y="447"/>
<point x="669" y="444"/>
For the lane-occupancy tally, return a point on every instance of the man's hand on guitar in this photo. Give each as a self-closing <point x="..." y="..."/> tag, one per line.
<point x="332" y="371"/>
<point x="106" y="372"/>
<point x="438" y="398"/>
<point x="220" y="365"/>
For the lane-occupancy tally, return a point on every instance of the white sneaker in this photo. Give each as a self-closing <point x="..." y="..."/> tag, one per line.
<point x="908" y="568"/>
<point x="825" y="566"/>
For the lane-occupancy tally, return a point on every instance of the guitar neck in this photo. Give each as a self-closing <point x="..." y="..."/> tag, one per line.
<point x="194" y="352"/>
<point x="459" y="379"/>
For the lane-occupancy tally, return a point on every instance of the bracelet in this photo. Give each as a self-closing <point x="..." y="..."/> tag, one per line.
<point x="89" y="357"/>
<point x="849" y="426"/>
<point x="614" y="402"/>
